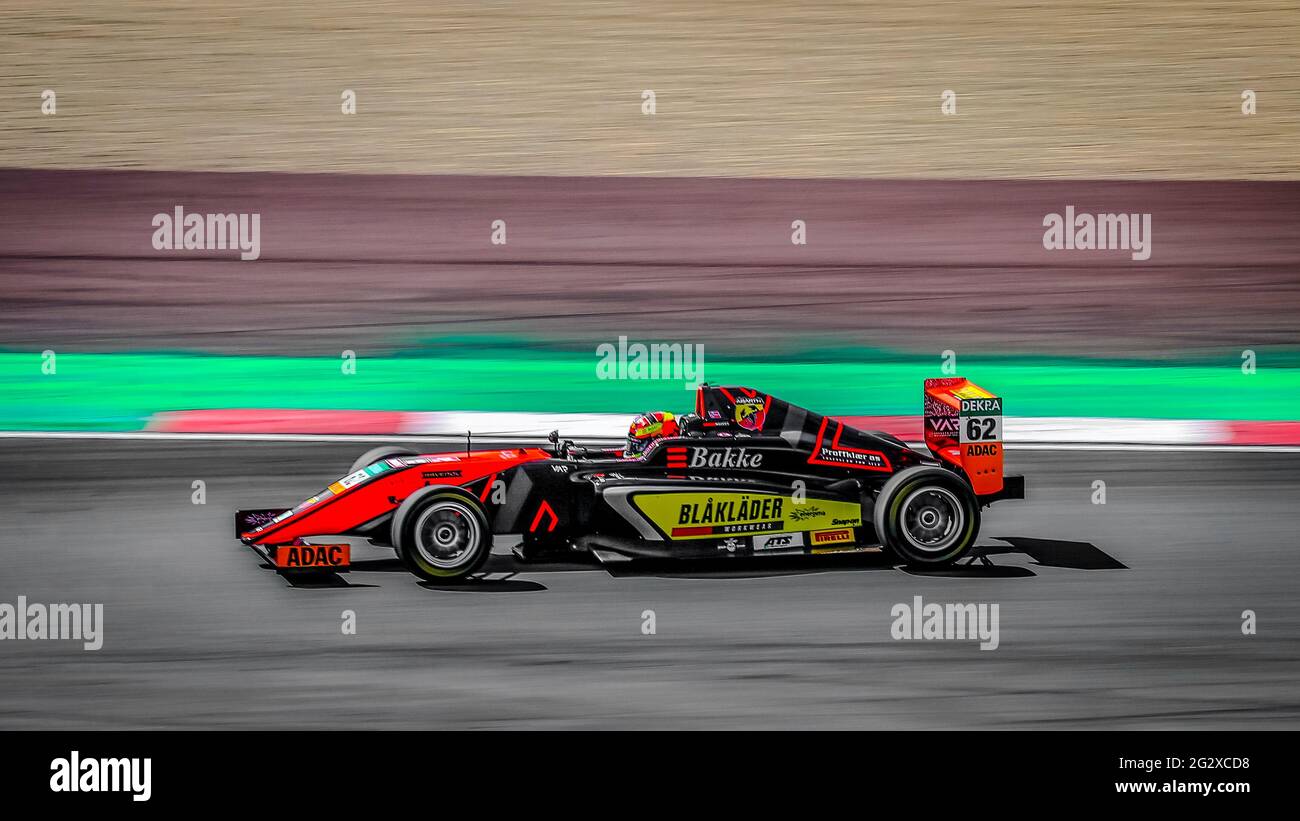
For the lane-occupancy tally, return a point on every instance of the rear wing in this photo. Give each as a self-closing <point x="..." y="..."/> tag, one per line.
<point x="963" y="427"/>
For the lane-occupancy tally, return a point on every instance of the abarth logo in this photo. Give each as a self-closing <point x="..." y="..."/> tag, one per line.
<point x="731" y="458"/>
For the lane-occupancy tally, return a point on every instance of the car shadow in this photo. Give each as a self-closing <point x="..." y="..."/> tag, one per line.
<point x="318" y="581"/>
<point x="500" y="572"/>
<point x="971" y="570"/>
<point x="486" y="583"/>
<point x="748" y="567"/>
<point x="1057" y="553"/>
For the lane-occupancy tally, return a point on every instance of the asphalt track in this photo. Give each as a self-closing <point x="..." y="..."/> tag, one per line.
<point x="1123" y="615"/>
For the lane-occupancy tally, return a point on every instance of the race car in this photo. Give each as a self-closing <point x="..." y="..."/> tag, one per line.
<point x="745" y="474"/>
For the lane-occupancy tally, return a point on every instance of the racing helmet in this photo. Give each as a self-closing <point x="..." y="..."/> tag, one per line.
<point x="646" y="428"/>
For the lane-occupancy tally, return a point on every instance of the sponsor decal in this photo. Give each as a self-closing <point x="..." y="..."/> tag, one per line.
<point x="725" y="458"/>
<point x="857" y="458"/>
<point x="756" y="527"/>
<point x="839" y="455"/>
<point x="827" y="537"/>
<point x="354" y="479"/>
<point x="255" y="519"/>
<point x="730" y="511"/>
<point x="806" y="511"/>
<point x="697" y="514"/>
<point x="980" y="439"/>
<point x="302" y="556"/>
<point x="778" y="541"/>
<point x="677" y="456"/>
<point x="440" y="474"/>
<point x="732" y="544"/>
<point x="988" y="404"/>
<point x="945" y="425"/>
<point x="751" y="412"/>
<point x="854" y="522"/>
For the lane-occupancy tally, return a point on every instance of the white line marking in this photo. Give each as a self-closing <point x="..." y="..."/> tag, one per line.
<point x="517" y="440"/>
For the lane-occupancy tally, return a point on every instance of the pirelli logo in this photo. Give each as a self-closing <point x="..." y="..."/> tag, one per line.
<point x="677" y="457"/>
<point x="841" y="535"/>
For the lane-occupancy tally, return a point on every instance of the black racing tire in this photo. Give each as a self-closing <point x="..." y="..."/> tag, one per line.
<point x="441" y="535"/>
<point x="375" y="454"/>
<point x="927" y="516"/>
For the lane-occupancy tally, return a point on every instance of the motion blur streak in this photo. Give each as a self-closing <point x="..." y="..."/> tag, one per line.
<point x="373" y="263"/>
<point x="1088" y="88"/>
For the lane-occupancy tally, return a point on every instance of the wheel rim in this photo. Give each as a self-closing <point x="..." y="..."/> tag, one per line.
<point x="933" y="519"/>
<point x="446" y="534"/>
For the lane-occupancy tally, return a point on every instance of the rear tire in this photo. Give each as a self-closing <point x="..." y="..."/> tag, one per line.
<point x="441" y="535"/>
<point x="927" y="516"/>
<point x="373" y="455"/>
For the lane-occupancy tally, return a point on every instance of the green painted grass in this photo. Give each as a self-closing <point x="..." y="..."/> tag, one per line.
<point x="120" y="391"/>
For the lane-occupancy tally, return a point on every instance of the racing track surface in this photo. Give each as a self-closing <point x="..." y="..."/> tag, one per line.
<point x="198" y="635"/>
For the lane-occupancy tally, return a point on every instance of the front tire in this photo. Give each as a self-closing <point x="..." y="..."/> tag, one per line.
<point x="441" y="535"/>
<point x="927" y="516"/>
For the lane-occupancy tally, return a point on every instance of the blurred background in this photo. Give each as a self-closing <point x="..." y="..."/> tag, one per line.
<point x="924" y="229"/>
<point x="924" y="247"/>
<point x="1095" y="89"/>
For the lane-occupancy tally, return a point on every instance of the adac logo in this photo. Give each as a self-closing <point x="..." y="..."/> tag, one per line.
<point x="313" y="555"/>
<point x="725" y="458"/>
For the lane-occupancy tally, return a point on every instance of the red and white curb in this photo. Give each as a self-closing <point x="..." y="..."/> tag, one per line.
<point x="1017" y="429"/>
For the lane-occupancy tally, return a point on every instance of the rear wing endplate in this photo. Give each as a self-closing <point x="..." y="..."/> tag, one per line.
<point x="963" y="427"/>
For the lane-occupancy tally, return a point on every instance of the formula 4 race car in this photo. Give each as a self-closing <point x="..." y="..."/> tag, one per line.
<point x="750" y="475"/>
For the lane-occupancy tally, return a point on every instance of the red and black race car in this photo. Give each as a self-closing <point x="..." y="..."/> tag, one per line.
<point x="746" y="474"/>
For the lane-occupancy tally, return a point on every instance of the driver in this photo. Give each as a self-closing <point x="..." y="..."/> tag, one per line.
<point x="646" y="428"/>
